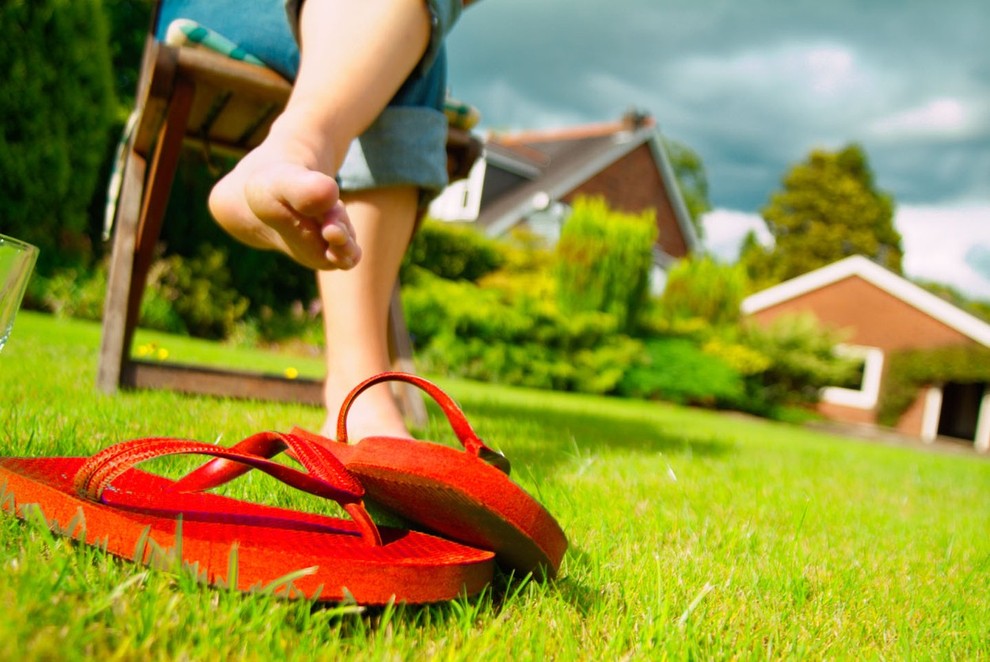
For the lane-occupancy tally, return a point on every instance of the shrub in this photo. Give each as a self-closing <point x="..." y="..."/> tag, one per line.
<point x="199" y="290"/>
<point x="700" y="287"/>
<point x="676" y="369"/>
<point x="451" y="251"/>
<point x="802" y="361"/>
<point x="56" y="109"/>
<point x="604" y="260"/>
<point x="481" y="333"/>
<point x="74" y="292"/>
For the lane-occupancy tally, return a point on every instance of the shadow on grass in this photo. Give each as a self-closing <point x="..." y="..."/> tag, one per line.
<point x="549" y="436"/>
<point x="505" y="592"/>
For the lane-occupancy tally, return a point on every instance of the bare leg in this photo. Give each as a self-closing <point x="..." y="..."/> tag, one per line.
<point x="355" y="312"/>
<point x="283" y="196"/>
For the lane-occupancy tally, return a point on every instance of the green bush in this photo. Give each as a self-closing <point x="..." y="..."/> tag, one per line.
<point x="604" y="260"/>
<point x="676" y="369"/>
<point x="56" y="109"/>
<point x="462" y="329"/>
<point x="802" y="361"/>
<point x="74" y="292"/>
<point x="700" y="287"/>
<point x="453" y="252"/>
<point x="200" y="292"/>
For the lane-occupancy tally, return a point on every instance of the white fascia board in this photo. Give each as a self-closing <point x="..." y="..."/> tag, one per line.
<point x="674" y="191"/>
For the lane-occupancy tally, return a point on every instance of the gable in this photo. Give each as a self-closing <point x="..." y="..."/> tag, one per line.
<point x="632" y="184"/>
<point x="884" y="309"/>
<point x="872" y="316"/>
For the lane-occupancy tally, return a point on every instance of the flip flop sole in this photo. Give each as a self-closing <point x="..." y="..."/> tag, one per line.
<point x="270" y="542"/>
<point x="458" y="496"/>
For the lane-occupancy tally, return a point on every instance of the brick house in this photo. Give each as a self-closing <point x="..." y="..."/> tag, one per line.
<point x="530" y="178"/>
<point x="885" y="313"/>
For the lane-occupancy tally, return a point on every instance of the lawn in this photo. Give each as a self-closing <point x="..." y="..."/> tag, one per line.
<point x="693" y="534"/>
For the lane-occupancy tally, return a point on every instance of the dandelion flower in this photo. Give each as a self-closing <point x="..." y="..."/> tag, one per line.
<point x="291" y="373"/>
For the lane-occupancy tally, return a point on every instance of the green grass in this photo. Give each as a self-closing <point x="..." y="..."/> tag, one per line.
<point x="693" y="534"/>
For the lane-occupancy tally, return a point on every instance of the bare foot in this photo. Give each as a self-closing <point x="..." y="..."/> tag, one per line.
<point x="373" y="413"/>
<point x="277" y="198"/>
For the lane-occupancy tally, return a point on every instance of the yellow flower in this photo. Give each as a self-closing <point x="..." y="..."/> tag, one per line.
<point x="291" y="373"/>
<point x="161" y="354"/>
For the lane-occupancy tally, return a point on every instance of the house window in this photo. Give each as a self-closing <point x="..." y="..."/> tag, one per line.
<point x="864" y="392"/>
<point x="461" y="200"/>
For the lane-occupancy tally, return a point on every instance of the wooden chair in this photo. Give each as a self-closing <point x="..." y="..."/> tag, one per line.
<point x="192" y="96"/>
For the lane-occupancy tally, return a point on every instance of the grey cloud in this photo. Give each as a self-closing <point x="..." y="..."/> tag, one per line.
<point x="555" y="62"/>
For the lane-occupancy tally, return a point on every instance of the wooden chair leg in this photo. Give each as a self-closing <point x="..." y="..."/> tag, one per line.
<point x="137" y="230"/>
<point x="112" y="343"/>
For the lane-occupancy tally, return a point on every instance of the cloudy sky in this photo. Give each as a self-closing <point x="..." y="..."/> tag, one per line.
<point x="754" y="86"/>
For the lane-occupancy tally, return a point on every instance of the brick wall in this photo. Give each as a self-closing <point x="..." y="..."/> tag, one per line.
<point x="873" y="318"/>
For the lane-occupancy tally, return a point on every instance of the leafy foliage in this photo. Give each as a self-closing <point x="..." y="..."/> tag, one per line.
<point x="692" y="180"/>
<point x="910" y="370"/>
<point x="802" y="360"/>
<point x="454" y="252"/>
<point x="466" y="330"/>
<point x="677" y="370"/>
<point x="604" y="260"/>
<point x="129" y="21"/>
<point x="55" y="112"/>
<point x="828" y="209"/>
<point x="201" y="292"/>
<point x="700" y="287"/>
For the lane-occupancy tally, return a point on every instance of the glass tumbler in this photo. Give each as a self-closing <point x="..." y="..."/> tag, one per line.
<point x="17" y="260"/>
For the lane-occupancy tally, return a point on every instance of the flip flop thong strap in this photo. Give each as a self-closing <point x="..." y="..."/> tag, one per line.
<point x="315" y="458"/>
<point x="465" y="434"/>
<point x="329" y="480"/>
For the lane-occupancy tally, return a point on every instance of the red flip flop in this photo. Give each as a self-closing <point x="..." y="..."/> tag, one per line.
<point x="466" y="495"/>
<point x="102" y="501"/>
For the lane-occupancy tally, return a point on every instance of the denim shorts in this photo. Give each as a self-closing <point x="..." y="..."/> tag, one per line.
<point x="406" y="144"/>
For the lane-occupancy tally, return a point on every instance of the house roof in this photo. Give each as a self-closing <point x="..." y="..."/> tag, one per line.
<point x="556" y="162"/>
<point x="880" y="277"/>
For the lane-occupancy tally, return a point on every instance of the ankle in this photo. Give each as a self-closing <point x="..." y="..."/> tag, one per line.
<point x="374" y="412"/>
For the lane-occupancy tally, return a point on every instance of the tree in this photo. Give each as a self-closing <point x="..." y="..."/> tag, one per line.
<point x="828" y="209"/>
<point x="55" y="109"/>
<point x="692" y="181"/>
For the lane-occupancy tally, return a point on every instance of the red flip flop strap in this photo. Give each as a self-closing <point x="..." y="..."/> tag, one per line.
<point x="317" y="460"/>
<point x="100" y="470"/>
<point x="465" y="434"/>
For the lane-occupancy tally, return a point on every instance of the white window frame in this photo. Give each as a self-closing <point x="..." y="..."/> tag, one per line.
<point x="868" y="394"/>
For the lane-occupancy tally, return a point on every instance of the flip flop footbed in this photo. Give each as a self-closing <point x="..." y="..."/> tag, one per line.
<point x="458" y="496"/>
<point x="270" y="542"/>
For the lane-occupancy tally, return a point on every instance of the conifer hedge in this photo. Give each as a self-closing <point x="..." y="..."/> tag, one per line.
<point x="56" y="106"/>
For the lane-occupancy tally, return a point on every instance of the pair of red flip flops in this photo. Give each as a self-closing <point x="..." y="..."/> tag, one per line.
<point x="474" y="514"/>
